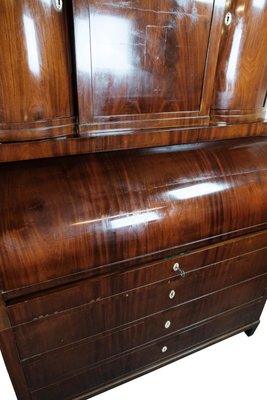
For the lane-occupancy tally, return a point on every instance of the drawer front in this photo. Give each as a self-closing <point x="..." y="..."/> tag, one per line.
<point x="150" y="356"/>
<point x="45" y="370"/>
<point x="98" y="288"/>
<point x="73" y="325"/>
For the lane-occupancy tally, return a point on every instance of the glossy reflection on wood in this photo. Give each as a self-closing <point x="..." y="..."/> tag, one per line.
<point x="141" y="64"/>
<point x="149" y="357"/>
<point x="36" y="93"/>
<point x="241" y="78"/>
<point x="114" y="264"/>
<point x="129" y="140"/>
<point x="79" y="213"/>
<point x="50" y="332"/>
<point x="80" y="355"/>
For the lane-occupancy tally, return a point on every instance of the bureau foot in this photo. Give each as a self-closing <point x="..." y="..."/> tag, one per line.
<point x="252" y="330"/>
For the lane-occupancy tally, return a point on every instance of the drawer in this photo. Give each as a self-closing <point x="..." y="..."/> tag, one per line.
<point x="100" y="287"/>
<point x="48" y="333"/>
<point x="143" y="359"/>
<point x="44" y="370"/>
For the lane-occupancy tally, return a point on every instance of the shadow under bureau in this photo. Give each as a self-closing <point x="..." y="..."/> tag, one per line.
<point x="115" y="264"/>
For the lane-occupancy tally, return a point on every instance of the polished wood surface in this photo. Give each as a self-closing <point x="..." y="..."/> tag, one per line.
<point x="226" y="255"/>
<point x="141" y="64"/>
<point x="36" y="92"/>
<point x="241" y="78"/>
<point x="43" y="370"/>
<point x="48" y="333"/>
<point x="131" y="140"/>
<point x="233" y="302"/>
<point x="78" y="213"/>
<point x="151" y="355"/>
<point x="116" y="263"/>
<point x="10" y="354"/>
<point x="143" y="70"/>
<point x="11" y="358"/>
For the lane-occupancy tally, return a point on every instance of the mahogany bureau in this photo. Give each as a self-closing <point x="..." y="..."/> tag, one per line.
<point x="133" y="182"/>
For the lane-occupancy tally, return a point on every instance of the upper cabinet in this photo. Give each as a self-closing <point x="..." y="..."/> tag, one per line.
<point x="36" y="93"/>
<point x="145" y="63"/>
<point x="117" y="74"/>
<point x="241" y="77"/>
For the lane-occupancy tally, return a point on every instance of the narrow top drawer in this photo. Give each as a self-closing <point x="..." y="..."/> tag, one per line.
<point x="249" y="252"/>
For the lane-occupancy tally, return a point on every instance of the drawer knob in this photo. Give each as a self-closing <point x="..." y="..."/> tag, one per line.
<point x="167" y="324"/>
<point x="177" y="268"/>
<point x="172" y="294"/>
<point x="164" y="349"/>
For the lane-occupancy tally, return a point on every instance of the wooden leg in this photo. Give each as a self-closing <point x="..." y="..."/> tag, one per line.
<point x="252" y="330"/>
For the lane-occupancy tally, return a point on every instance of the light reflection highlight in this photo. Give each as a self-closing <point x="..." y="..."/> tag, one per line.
<point x="32" y="45"/>
<point x="111" y="42"/>
<point x="240" y="8"/>
<point x="201" y="189"/>
<point x="234" y="55"/>
<point x="46" y="2"/>
<point x="260" y="4"/>
<point x="127" y="219"/>
<point x="83" y="50"/>
<point x="136" y="219"/>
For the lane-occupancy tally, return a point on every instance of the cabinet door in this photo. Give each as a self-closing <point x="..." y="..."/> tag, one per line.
<point x="241" y="78"/>
<point x="145" y="63"/>
<point x="35" y="70"/>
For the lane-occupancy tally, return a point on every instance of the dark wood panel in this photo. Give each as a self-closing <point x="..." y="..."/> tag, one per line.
<point x="130" y="140"/>
<point x="46" y="333"/>
<point x="36" y="93"/>
<point x="141" y="64"/>
<point x="53" y="367"/>
<point x="152" y="355"/>
<point x="84" y="212"/>
<point x="241" y="79"/>
<point x="13" y="365"/>
<point x="100" y="287"/>
<point x="10" y="355"/>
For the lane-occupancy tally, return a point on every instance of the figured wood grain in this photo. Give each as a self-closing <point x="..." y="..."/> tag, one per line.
<point x="36" y="92"/>
<point x="141" y="64"/>
<point x="241" y="78"/>
<point x="44" y="370"/>
<point x="227" y="256"/>
<point x="119" y="141"/>
<point x="80" y="213"/>
<point x="145" y="358"/>
<point x="48" y="333"/>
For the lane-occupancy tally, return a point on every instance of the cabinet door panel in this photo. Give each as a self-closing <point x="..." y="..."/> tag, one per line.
<point x="141" y="64"/>
<point x="241" y="78"/>
<point x="35" y="71"/>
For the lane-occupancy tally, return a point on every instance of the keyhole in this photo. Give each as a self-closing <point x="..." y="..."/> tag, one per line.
<point x="228" y="19"/>
<point x="59" y="4"/>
